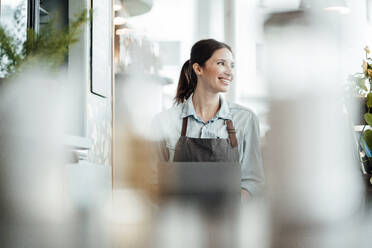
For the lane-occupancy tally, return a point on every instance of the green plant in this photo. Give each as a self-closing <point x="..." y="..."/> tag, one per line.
<point x="49" y="46"/>
<point x="361" y="82"/>
<point x="362" y="86"/>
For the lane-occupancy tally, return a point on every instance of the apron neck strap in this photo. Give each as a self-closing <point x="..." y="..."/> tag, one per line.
<point x="232" y="133"/>
<point x="184" y="126"/>
<point x="230" y="129"/>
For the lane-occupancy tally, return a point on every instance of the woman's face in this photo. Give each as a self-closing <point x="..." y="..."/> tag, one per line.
<point x="217" y="72"/>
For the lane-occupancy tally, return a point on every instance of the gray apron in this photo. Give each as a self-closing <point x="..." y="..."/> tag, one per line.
<point x="216" y="211"/>
<point x="207" y="150"/>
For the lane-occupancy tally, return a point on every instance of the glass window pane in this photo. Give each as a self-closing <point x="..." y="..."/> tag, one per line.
<point x="13" y="18"/>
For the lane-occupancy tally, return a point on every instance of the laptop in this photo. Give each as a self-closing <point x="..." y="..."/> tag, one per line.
<point x="199" y="178"/>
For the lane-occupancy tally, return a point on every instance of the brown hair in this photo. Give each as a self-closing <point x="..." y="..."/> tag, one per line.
<point x="201" y="51"/>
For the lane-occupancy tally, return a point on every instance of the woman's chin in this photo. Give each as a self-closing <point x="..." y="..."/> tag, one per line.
<point x="224" y="88"/>
<point x="221" y="88"/>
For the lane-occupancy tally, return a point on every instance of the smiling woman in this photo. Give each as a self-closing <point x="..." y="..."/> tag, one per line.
<point x="203" y="126"/>
<point x="207" y="63"/>
<point x="217" y="74"/>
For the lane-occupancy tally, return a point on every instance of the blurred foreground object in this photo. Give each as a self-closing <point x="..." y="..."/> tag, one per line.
<point x="315" y="187"/>
<point x="45" y="200"/>
<point x="134" y="197"/>
<point x="33" y="208"/>
<point x="206" y="190"/>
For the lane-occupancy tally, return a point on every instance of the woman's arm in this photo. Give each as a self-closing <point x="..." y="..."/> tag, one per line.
<point x="252" y="174"/>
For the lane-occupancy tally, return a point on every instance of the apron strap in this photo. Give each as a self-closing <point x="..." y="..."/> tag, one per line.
<point x="184" y="126"/>
<point x="230" y="130"/>
<point x="232" y="133"/>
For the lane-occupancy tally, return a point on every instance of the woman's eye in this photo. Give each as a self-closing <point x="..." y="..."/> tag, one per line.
<point x="220" y="63"/>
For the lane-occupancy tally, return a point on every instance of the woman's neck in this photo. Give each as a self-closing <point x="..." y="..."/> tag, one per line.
<point x="206" y="104"/>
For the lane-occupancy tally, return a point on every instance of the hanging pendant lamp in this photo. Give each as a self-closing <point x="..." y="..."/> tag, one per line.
<point x="327" y="5"/>
<point x="117" y="5"/>
<point x="136" y="7"/>
<point x="337" y="5"/>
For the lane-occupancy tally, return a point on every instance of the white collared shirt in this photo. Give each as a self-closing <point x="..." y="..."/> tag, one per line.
<point x="168" y="125"/>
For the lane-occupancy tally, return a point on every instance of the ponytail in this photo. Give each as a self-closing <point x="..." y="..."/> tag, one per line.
<point x="186" y="83"/>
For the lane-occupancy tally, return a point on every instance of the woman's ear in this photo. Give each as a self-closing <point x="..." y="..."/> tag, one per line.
<point x="197" y="69"/>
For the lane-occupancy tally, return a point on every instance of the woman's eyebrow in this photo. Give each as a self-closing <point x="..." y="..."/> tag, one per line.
<point x="225" y="60"/>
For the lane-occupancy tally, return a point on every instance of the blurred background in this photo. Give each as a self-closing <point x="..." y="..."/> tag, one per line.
<point x="79" y="89"/>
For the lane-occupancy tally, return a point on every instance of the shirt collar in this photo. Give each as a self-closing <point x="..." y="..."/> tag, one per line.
<point x="224" y="112"/>
<point x="189" y="110"/>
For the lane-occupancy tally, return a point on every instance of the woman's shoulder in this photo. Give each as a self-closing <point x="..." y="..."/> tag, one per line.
<point x="241" y="111"/>
<point x="244" y="118"/>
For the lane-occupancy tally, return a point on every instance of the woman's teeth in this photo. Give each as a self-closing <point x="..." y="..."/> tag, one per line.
<point x="226" y="81"/>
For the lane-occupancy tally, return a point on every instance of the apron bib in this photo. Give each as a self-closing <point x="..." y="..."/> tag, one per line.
<point x="207" y="150"/>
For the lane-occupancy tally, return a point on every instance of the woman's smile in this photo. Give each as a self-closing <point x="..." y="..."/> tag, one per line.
<point x="225" y="80"/>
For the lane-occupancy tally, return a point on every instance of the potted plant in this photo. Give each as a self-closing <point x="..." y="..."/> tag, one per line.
<point x="361" y="87"/>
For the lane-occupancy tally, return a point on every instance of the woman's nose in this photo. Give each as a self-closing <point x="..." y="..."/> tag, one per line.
<point x="229" y="71"/>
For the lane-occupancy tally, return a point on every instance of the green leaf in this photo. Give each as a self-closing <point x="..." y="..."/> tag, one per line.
<point x="367" y="135"/>
<point x="369" y="100"/>
<point x="8" y="50"/>
<point x="368" y="118"/>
